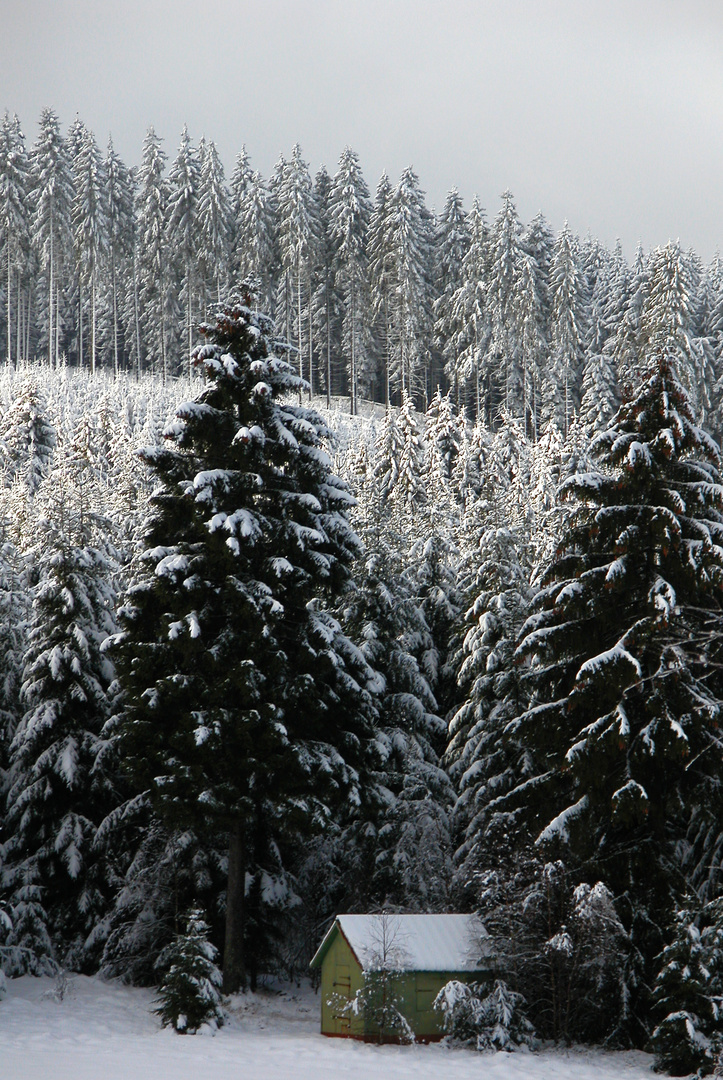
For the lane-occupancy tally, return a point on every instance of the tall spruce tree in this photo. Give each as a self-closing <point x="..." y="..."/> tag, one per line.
<point x="51" y="226"/>
<point x="350" y="211"/>
<point x="14" y="232"/>
<point x="57" y="794"/>
<point x="245" y="707"/>
<point x="182" y="225"/>
<point x="621" y="729"/>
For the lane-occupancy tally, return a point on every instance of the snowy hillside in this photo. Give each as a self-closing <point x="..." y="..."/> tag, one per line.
<point x="104" y="1031"/>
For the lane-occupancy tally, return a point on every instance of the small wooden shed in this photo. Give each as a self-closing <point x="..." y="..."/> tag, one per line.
<point x="420" y="952"/>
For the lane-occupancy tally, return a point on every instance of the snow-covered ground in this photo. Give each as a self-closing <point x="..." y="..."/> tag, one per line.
<point x="104" y="1031"/>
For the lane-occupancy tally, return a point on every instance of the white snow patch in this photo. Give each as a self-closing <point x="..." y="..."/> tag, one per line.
<point x="105" y="1031"/>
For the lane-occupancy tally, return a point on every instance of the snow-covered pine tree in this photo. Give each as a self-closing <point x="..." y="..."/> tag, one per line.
<point x="152" y="255"/>
<point x="568" y="297"/>
<point x="350" y="211"/>
<point x="52" y="184"/>
<point x="599" y="396"/>
<point x="380" y="252"/>
<point x="687" y="994"/>
<point x="624" y="707"/>
<point x="27" y="438"/>
<point x="443" y="434"/>
<point x="470" y="314"/>
<point x="409" y="492"/>
<point x="57" y="796"/>
<point x="505" y="259"/>
<point x="14" y="231"/>
<point x="244" y="704"/>
<point x="183" y="229"/>
<point x="327" y="299"/>
<point x="451" y="244"/>
<point x="254" y="256"/>
<point x="483" y="765"/>
<point x="667" y="321"/>
<point x="297" y="229"/>
<point x="189" y="995"/>
<point x="214" y="225"/>
<point x="119" y="202"/>
<point x="397" y="847"/>
<point x="411" y="299"/>
<point x="90" y="233"/>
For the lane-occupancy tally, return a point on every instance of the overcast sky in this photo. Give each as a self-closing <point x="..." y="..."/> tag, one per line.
<point x="606" y="112"/>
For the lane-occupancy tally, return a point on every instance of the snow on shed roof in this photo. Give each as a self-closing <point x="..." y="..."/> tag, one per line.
<point x="453" y="943"/>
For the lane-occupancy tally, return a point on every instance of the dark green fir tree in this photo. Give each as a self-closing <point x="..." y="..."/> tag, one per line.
<point x="621" y="729"/>
<point x="246" y="710"/>
<point x="189" y="995"/>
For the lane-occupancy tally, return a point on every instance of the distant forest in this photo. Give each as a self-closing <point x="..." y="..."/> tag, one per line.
<point x="112" y="266"/>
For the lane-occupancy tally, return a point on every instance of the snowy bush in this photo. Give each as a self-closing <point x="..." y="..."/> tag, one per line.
<point x="486" y="1019"/>
<point x="189" y="998"/>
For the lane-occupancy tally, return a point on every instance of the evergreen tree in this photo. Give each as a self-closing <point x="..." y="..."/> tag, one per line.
<point x="184" y="181"/>
<point x="667" y="321"/>
<point x="623" y="709"/>
<point x="452" y="242"/>
<point x="14" y="231"/>
<point x="297" y="231"/>
<point x="687" y="995"/>
<point x="380" y="253"/>
<point x="255" y="257"/>
<point x="152" y="254"/>
<point x="57" y="795"/>
<point x="470" y="314"/>
<point x="189" y="996"/>
<point x="349" y="213"/>
<point x="503" y="282"/>
<point x="214" y="223"/>
<point x="27" y="438"/>
<point x="119" y="202"/>
<point x="568" y="300"/>
<point x="90" y="232"/>
<point x="327" y="300"/>
<point x="411" y="249"/>
<point x="245" y="705"/>
<point x="52" y="183"/>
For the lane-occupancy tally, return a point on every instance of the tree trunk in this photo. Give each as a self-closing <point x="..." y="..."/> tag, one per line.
<point x="234" y="968"/>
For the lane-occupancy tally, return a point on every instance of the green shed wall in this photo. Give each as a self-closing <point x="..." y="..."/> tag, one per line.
<point x="342" y="977"/>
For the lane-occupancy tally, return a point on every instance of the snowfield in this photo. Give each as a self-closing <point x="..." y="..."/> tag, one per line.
<point x="105" y="1031"/>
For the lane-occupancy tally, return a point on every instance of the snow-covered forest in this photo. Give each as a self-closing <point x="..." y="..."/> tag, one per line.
<point x="454" y="646"/>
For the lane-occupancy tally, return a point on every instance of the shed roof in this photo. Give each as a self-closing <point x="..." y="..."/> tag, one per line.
<point x="454" y="943"/>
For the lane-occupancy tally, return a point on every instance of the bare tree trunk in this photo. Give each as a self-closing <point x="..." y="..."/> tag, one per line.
<point x="234" y="968"/>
